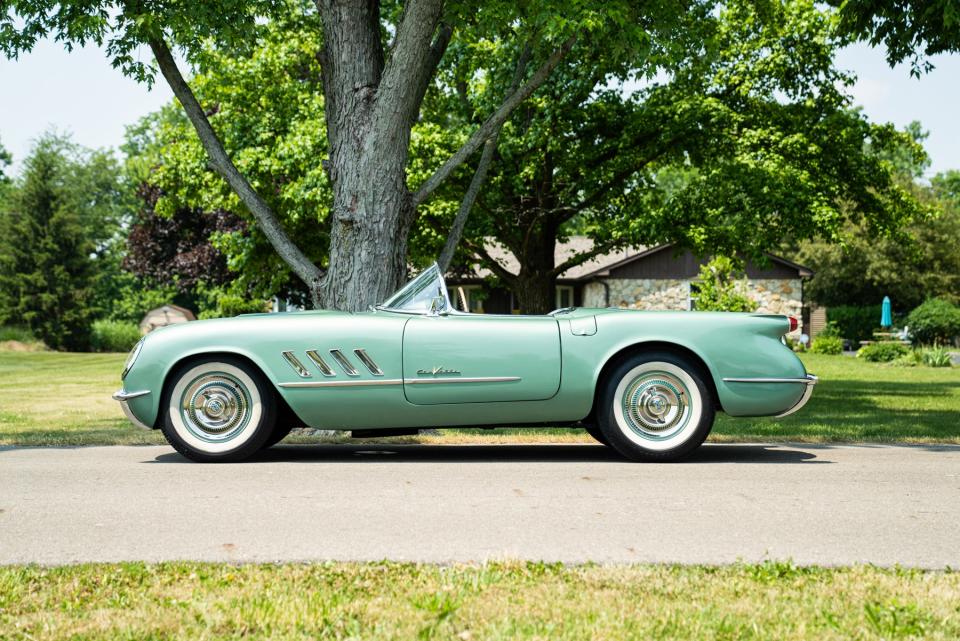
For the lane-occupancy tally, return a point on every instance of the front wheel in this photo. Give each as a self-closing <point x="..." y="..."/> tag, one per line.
<point x="655" y="406"/>
<point x="218" y="409"/>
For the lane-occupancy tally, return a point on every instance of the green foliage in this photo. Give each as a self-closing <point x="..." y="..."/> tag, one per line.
<point x="229" y="304"/>
<point x="923" y="261"/>
<point x="827" y="345"/>
<point x="114" y="336"/>
<point x="46" y="244"/>
<point x="16" y="333"/>
<point x="853" y="322"/>
<point x="935" y="322"/>
<point x="936" y="357"/>
<point x="5" y="160"/>
<point x="720" y="288"/>
<point x="882" y="352"/>
<point x="752" y="130"/>
<point x="910" y="29"/>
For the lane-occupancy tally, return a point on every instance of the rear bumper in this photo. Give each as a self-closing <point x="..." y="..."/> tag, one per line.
<point x="808" y="381"/>
<point x="124" y="397"/>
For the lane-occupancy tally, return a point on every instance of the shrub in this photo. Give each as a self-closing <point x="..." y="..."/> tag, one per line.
<point x="16" y="333"/>
<point x="855" y="323"/>
<point x="827" y="345"/>
<point x="935" y="322"/>
<point x="935" y="357"/>
<point x="882" y="352"/>
<point x="230" y="305"/>
<point x="114" y="336"/>
<point x="722" y="288"/>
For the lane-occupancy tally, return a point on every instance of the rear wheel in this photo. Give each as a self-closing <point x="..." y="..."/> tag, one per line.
<point x="655" y="406"/>
<point x="218" y="409"/>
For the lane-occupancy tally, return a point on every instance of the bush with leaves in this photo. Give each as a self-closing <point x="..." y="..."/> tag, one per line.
<point x="721" y="288"/>
<point x="827" y="345"/>
<point x="935" y="322"/>
<point x="882" y="352"/>
<point x="113" y="336"/>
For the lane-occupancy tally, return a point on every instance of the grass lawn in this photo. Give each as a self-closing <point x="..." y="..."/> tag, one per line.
<point x="490" y="601"/>
<point x="50" y="398"/>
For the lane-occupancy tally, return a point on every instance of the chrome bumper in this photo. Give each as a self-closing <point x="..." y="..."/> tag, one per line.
<point x="809" y="381"/>
<point x="123" y="397"/>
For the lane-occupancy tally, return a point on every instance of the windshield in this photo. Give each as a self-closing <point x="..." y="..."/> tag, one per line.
<point x="418" y="295"/>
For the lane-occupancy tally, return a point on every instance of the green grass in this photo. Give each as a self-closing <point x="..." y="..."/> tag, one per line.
<point x="772" y="600"/>
<point x="50" y="398"/>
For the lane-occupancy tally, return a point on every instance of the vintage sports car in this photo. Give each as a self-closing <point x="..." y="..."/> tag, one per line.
<point x="647" y="384"/>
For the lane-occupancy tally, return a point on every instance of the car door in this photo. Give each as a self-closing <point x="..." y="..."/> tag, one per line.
<point x="467" y="358"/>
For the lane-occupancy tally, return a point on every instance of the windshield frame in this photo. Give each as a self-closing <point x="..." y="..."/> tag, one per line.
<point x="420" y="283"/>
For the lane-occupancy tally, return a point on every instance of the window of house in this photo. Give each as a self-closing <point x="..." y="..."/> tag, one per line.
<point x="564" y="296"/>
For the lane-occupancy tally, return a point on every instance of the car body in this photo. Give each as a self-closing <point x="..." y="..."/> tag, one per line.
<point x="413" y="363"/>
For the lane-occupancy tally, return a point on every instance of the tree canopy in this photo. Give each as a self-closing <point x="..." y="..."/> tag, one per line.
<point x="744" y="136"/>
<point x="910" y="29"/>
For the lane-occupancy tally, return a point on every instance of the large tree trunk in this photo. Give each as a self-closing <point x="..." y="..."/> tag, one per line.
<point x="370" y="107"/>
<point x="535" y="292"/>
<point x="535" y="285"/>
<point x="372" y="215"/>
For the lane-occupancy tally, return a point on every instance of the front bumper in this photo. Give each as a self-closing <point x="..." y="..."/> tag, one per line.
<point x="123" y="397"/>
<point x="809" y="381"/>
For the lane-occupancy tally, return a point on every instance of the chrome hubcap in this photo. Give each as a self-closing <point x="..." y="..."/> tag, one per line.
<point x="215" y="406"/>
<point x="656" y="404"/>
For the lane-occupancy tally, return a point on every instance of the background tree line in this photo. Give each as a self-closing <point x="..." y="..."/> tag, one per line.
<point x="724" y="127"/>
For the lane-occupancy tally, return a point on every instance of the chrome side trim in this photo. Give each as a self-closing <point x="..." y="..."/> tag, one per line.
<point x="122" y="395"/>
<point x="296" y="364"/>
<point x="810" y="379"/>
<point x="344" y="383"/>
<point x="460" y="379"/>
<point x="368" y="362"/>
<point x="401" y="381"/>
<point x="344" y="362"/>
<point x="321" y="364"/>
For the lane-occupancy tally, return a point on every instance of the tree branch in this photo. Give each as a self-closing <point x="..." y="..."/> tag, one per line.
<point x="493" y="122"/>
<point x="579" y="259"/>
<point x="480" y="176"/>
<point x="301" y="265"/>
<point x="490" y="261"/>
<point x="412" y="61"/>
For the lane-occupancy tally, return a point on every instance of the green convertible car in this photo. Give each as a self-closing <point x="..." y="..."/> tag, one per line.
<point x="647" y="384"/>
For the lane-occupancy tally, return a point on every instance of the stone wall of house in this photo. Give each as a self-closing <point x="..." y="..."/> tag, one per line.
<point x="773" y="296"/>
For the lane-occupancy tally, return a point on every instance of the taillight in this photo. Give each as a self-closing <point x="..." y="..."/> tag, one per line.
<point x="794" y="323"/>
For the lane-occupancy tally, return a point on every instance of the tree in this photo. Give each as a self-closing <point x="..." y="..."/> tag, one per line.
<point x="746" y="138"/>
<point x="907" y="27"/>
<point x="377" y="63"/>
<point x="922" y="262"/>
<point x="46" y="268"/>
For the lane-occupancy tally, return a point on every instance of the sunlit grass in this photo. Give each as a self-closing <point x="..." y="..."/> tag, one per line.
<point x="772" y="600"/>
<point x="50" y="398"/>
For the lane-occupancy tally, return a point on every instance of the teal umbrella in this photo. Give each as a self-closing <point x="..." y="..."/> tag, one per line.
<point x="886" y="316"/>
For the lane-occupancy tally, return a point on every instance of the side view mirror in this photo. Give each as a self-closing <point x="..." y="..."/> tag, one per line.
<point x="438" y="304"/>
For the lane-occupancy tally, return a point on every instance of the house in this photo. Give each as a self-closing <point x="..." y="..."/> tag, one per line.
<point x="656" y="278"/>
<point x="165" y="315"/>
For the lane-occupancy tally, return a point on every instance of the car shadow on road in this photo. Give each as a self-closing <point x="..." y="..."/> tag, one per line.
<point x="326" y="453"/>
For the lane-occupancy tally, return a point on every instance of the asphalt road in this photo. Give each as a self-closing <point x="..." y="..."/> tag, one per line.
<point x="814" y="504"/>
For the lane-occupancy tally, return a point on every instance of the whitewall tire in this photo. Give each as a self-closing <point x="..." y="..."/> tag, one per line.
<point x="217" y="409"/>
<point x="655" y="406"/>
